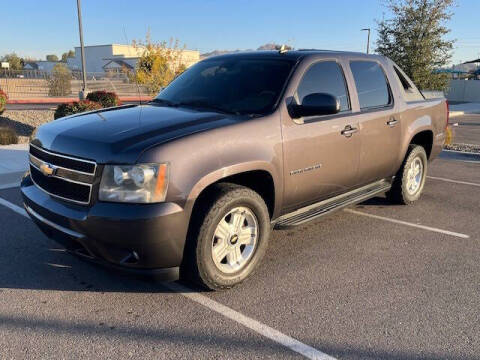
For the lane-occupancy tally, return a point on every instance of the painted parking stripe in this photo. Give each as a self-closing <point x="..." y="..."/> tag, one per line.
<point x="429" y="228"/>
<point x="453" y="181"/>
<point x="9" y="186"/>
<point x="252" y="324"/>
<point x="262" y="329"/>
<point x="13" y="207"/>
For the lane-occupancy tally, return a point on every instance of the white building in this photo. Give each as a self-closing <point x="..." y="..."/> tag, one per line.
<point x="113" y="57"/>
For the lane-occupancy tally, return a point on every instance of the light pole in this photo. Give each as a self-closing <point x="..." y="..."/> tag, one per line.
<point x="368" y="39"/>
<point x="82" y="93"/>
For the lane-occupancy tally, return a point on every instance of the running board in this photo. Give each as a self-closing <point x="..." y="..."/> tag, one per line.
<point x="328" y="206"/>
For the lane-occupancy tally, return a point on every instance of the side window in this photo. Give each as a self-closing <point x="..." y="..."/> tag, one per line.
<point x="410" y="92"/>
<point x="325" y="77"/>
<point x="372" y="85"/>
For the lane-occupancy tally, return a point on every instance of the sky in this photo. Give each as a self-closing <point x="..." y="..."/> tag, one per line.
<point x="34" y="28"/>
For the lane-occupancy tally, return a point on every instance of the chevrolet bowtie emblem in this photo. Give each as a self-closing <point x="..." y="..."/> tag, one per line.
<point x="47" y="169"/>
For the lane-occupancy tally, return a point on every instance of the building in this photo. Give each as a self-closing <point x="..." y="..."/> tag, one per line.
<point x="40" y="65"/>
<point x="100" y="59"/>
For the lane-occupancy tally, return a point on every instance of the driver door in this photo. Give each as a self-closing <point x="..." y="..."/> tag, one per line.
<point x="320" y="158"/>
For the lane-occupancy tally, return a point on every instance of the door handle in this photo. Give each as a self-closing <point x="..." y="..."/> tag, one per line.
<point x="348" y="131"/>
<point x="392" y="122"/>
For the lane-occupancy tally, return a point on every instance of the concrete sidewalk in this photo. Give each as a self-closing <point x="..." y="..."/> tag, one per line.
<point x="13" y="164"/>
<point x="464" y="109"/>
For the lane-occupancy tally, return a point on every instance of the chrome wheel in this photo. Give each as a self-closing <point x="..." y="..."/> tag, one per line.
<point x="234" y="240"/>
<point x="414" y="176"/>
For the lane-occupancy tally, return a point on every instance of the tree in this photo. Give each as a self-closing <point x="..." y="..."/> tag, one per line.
<point x="414" y="37"/>
<point x="52" y="57"/>
<point x="159" y="64"/>
<point x="59" y="82"/>
<point x="68" y="54"/>
<point x="16" y="63"/>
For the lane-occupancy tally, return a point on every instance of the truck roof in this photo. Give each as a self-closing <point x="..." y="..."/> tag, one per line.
<point x="292" y="54"/>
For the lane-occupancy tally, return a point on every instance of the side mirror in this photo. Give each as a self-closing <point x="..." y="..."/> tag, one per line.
<point x="316" y="104"/>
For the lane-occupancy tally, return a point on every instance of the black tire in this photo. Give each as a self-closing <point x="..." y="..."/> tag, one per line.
<point x="399" y="193"/>
<point x="199" y="265"/>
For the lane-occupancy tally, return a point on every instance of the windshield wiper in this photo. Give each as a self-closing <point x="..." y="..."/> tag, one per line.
<point x="206" y="105"/>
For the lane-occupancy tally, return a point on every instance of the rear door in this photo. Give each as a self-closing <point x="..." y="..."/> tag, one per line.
<point x="320" y="158"/>
<point x="379" y="121"/>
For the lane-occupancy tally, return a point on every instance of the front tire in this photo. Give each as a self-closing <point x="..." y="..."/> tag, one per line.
<point x="410" y="179"/>
<point x="229" y="237"/>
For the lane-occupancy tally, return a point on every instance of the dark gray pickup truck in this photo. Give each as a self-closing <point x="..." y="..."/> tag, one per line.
<point x="191" y="184"/>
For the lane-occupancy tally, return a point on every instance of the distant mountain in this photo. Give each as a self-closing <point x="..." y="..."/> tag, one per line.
<point x="218" y="52"/>
<point x="273" y="46"/>
<point x="268" y="46"/>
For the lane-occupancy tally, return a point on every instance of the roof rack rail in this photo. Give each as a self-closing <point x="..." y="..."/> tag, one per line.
<point x="283" y="49"/>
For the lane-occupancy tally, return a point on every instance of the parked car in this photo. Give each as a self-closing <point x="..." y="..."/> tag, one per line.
<point x="191" y="184"/>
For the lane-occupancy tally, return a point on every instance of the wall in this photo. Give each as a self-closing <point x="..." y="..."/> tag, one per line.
<point x="464" y="90"/>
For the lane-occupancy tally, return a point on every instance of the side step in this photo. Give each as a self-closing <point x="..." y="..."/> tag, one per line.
<point x="328" y="206"/>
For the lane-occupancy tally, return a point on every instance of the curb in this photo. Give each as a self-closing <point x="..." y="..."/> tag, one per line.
<point x="456" y="113"/>
<point x="459" y="155"/>
<point x="64" y="100"/>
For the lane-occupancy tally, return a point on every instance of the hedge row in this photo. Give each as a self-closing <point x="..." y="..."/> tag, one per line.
<point x="8" y="136"/>
<point x="3" y="101"/>
<point x="95" y="100"/>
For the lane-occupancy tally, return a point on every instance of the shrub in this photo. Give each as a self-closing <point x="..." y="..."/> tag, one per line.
<point x="159" y="64"/>
<point x="75" y="108"/>
<point x="104" y="98"/>
<point x="3" y="101"/>
<point x="59" y="82"/>
<point x="8" y="136"/>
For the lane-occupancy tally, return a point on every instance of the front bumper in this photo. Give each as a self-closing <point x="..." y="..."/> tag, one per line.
<point x="144" y="239"/>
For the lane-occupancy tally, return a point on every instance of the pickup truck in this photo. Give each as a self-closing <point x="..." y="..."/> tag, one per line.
<point x="191" y="184"/>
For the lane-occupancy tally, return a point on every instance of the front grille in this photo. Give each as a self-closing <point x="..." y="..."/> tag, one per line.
<point x="62" y="176"/>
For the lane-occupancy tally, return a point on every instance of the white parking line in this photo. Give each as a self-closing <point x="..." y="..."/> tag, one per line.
<point x="453" y="181"/>
<point x="250" y="323"/>
<point x="429" y="228"/>
<point x="262" y="329"/>
<point x="13" y="207"/>
<point x="9" y="186"/>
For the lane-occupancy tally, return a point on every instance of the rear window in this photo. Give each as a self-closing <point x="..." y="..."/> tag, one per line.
<point x="372" y="85"/>
<point x="410" y="92"/>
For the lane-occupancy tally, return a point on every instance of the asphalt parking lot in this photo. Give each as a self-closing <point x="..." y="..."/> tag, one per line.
<point x="377" y="281"/>
<point x="468" y="129"/>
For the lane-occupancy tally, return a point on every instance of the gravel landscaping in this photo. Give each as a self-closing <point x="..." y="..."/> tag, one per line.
<point x="463" y="147"/>
<point x="25" y="121"/>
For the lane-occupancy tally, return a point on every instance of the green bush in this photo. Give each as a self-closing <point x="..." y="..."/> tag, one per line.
<point x="3" y="101"/>
<point x="59" y="82"/>
<point x="75" y="108"/>
<point x="105" y="98"/>
<point x="8" y="136"/>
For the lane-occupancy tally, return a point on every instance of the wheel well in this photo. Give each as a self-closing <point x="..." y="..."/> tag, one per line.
<point x="259" y="181"/>
<point x="424" y="139"/>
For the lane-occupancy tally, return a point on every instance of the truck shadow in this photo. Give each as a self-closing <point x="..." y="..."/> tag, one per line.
<point x="32" y="261"/>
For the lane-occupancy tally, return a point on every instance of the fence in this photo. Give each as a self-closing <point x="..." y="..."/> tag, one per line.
<point x="464" y="90"/>
<point x="28" y="84"/>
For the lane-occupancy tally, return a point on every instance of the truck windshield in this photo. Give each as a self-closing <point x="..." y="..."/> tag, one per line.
<point x="237" y="86"/>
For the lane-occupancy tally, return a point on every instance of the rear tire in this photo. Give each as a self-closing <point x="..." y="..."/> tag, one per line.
<point x="410" y="179"/>
<point x="228" y="238"/>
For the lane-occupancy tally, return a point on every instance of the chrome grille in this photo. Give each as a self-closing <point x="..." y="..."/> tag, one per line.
<point x="62" y="176"/>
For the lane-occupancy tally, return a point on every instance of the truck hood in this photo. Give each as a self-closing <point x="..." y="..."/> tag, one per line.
<point x="120" y="135"/>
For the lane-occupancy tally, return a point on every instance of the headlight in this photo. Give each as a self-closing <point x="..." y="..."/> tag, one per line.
<point x="142" y="183"/>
